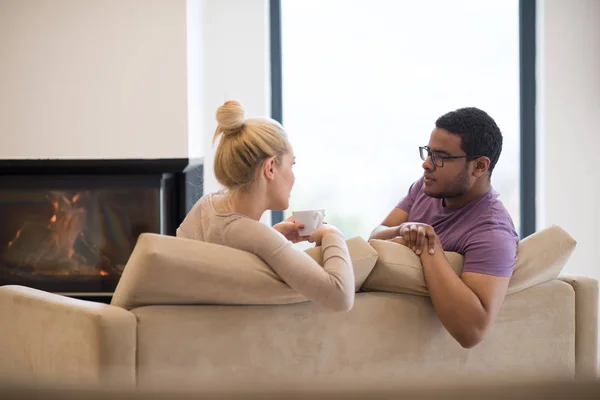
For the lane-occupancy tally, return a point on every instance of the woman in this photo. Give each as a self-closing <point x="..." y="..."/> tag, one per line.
<point x="254" y="163"/>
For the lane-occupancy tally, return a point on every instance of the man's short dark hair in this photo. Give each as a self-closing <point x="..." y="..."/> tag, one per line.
<point x="480" y="136"/>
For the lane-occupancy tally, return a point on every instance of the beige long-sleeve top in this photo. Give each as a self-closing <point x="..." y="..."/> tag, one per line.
<point x="330" y="286"/>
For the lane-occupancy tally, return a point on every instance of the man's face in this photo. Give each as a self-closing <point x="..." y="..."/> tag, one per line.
<point x="454" y="178"/>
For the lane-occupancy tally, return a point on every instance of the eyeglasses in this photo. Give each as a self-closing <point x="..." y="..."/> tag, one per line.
<point x="437" y="158"/>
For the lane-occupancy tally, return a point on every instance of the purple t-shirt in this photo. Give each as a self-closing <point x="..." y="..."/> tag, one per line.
<point x="482" y="231"/>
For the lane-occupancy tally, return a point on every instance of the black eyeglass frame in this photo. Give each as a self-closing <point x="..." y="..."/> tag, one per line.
<point x="436" y="156"/>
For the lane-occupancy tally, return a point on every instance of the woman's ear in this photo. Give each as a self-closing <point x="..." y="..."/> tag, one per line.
<point x="269" y="168"/>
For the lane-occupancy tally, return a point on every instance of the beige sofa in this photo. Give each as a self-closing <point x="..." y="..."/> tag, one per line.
<point x="195" y="313"/>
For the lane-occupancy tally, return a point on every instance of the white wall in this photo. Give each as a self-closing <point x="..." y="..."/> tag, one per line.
<point x="235" y="50"/>
<point x="195" y="74"/>
<point x="127" y="78"/>
<point x="93" y="79"/>
<point x="568" y="123"/>
<point x="237" y="67"/>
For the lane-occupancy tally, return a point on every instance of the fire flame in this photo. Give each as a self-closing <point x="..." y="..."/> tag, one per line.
<point x="62" y="232"/>
<point x="15" y="238"/>
<point x="67" y="221"/>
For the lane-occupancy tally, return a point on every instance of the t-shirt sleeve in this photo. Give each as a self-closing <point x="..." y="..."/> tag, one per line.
<point x="491" y="252"/>
<point x="408" y="200"/>
<point x="330" y="286"/>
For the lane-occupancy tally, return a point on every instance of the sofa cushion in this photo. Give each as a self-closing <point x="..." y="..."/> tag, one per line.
<point x="170" y="270"/>
<point x="540" y="258"/>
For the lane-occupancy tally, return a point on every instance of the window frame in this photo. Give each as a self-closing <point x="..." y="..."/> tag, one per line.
<point x="276" y="75"/>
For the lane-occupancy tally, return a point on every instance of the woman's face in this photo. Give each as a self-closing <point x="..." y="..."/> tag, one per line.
<point x="283" y="182"/>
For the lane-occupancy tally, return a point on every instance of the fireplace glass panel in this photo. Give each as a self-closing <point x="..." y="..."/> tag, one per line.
<point x="72" y="241"/>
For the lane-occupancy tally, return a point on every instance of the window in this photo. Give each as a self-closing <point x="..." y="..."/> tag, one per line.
<point x="363" y="83"/>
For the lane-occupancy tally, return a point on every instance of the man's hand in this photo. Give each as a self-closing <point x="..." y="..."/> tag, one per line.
<point x="417" y="236"/>
<point x="290" y="229"/>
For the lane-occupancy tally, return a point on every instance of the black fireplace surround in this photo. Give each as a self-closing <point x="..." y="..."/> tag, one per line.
<point x="69" y="226"/>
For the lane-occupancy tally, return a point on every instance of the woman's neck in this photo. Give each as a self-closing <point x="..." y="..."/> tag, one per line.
<point x="248" y="204"/>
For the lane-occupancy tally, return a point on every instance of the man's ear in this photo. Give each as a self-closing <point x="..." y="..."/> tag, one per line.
<point x="482" y="165"/>
<point x="269" y="168"/>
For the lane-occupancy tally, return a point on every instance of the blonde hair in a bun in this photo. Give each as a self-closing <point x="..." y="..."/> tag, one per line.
<point x="245" y="144"/>
<point x="230" y="117"/>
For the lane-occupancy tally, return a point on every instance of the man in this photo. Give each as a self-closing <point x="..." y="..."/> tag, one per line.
<point x="453" y="207"/>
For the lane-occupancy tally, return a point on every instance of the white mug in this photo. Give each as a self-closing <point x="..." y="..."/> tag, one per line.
<point x="311" y="219"/>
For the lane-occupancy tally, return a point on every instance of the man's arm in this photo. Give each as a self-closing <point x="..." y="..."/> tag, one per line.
<point x="468" y="305"/>
<point x="391" y="225"/>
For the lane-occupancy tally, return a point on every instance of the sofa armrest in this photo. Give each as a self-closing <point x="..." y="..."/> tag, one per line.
<point x="586" y="325"/>
<point x="47" y="336"/>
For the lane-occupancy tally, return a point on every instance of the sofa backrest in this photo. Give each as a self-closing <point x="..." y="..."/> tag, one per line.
<point x="170" y="270"/>
<point x="540" y="258"/>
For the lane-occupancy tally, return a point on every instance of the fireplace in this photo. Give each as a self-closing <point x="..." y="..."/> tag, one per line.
<point x="69" y="226"/>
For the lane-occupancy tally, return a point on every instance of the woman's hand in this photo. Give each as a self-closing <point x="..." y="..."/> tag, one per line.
<point x="290" y="229"/>
<point x="324" y="230"/>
